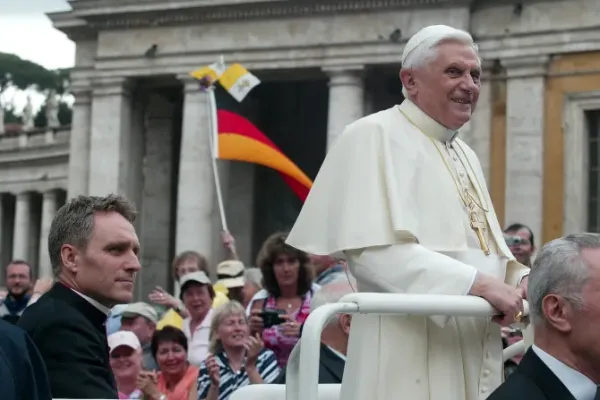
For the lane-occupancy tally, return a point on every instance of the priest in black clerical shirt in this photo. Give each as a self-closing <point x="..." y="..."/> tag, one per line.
<point x="22" y="370"/>
<point x="564" y="305"/>
<point x="93" y="249"/>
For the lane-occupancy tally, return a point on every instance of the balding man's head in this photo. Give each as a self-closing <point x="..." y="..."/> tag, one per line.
<point x="337" y="330"/>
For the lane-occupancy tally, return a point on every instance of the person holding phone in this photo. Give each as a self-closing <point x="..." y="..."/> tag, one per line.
<point x="278" y="311"/>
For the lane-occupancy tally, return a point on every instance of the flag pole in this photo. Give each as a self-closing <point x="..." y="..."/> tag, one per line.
<point x="213" y="145"/>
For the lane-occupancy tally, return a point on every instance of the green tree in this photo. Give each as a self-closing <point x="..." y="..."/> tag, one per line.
<point x="24" y="74"/>
<point x="21" y="74"/>
<point x="65" y="115"/>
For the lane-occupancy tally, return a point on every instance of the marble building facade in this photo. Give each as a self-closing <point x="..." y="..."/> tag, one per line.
<point x="140" y="124"/>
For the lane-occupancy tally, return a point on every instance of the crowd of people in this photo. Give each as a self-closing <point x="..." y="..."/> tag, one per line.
<point x="205" y="342"/>
<point x="82" y="336"/>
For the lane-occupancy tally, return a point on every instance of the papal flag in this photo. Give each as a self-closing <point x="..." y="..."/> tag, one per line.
<point x="237" y="138"/>
<point x="213" y="72"/>
<point x="238" y="81"/>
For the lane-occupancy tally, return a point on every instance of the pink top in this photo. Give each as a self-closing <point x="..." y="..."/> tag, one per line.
<point x="274" y="338"/>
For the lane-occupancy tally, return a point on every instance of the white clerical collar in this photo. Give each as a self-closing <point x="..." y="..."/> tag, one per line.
<point x="580" y="386"/>
<point x="93" y="302"/>
<point x="425" y="123"/>
<point x="337" y="353"/>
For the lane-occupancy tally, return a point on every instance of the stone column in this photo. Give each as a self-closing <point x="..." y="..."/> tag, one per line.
<point x="346" y="100"/>
<point x="49" y="207"/>
<point x="115" y="159"/>
<point x="477" y="132"/>
<point x="155" y="215"/>
<point x="79" y="146"/>
<point x="22" y="226"/>
<point x="196" y="190"/>
<point x="525" y="140"/>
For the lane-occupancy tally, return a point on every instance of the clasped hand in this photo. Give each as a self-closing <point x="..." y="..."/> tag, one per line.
<point x="504" y="298"/>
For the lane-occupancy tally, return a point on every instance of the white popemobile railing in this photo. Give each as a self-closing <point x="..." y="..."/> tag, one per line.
<point x="302" y="377"/>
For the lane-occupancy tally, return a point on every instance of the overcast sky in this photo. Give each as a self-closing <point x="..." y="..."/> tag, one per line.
<point x="26" y="31"/>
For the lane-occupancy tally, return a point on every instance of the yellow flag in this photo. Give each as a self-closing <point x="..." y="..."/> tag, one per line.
<point x="213" y="71"/>
<point x="238" y="81"/>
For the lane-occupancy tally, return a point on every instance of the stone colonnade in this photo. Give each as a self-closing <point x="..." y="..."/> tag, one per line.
<point x="28" y="226"/>
<point x="114" y="138"/>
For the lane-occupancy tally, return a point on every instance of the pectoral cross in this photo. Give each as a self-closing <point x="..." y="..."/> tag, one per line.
<point x="478" y="227"/>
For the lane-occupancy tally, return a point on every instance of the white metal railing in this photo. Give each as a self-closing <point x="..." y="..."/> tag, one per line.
<point x="302" y="377"/>
<point x="303" y="383"/>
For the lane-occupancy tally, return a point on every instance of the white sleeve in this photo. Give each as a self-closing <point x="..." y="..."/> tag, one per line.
<point x="411" y="268"/>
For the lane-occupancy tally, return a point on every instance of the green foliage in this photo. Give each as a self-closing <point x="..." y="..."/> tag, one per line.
<point x="21" y="74"/>
<point x="24" y="74"/>
<point x="10" y="117"/>
<point x="65" y="115"/>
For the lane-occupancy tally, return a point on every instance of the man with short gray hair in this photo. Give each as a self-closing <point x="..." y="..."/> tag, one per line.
<point x="564" y="307"/>
<point x="417" y="218"/>
<point x="94" y="249"/>
<point x="334" y="338"/>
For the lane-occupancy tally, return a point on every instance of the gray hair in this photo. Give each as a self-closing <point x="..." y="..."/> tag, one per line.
<point x="426" y="52"/>
<point x="331" y="293"/>
<point x="222" y="312"/>
<point x="254" y="276"/>
<point x="74" y="222"/>
<point x="561" y="270"/>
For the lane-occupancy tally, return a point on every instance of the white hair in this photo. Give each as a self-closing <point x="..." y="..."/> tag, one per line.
<point x="426" y="50"/>
<point x="331" y="293"/>
<point x="560" y="269"/>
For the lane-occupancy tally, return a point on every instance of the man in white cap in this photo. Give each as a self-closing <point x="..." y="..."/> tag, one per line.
<point x="230" y="274"/>
<point x="141" y="319"/>
<point x="417" y="218"/>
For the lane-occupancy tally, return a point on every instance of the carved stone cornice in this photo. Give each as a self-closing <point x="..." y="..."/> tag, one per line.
<point x="524" y="67"/>
<point x="103" y="15"/>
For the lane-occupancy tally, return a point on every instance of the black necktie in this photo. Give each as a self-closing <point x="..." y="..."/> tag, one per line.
<point x="597" y="397"/>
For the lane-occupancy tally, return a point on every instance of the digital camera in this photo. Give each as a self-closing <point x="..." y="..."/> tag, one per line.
<point x="514" y="240"/>
<point x="272" y="317"/>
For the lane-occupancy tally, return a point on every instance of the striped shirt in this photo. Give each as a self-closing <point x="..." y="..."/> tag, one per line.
<point x="230" y="381"/>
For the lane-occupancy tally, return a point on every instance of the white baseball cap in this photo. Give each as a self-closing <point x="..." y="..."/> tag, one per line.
<point x="140" y="309"/>
<point x="196" y="276"/>
<point x="123" y="338"/>
<point x="230" y="273"/>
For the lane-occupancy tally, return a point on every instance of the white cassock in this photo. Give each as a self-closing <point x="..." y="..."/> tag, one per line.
<point x="392" y="197"/>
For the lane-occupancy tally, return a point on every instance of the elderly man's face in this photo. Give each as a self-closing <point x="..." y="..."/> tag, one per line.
<point x="585" y="323"/>
<point x="447" y="88"/>
<point x="106" y="268"/>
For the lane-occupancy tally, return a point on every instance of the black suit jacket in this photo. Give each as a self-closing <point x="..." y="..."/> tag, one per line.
<point x="71" y="337"/>
<point x="331" y="368"/>
<point x="532" y="380"/>
<point x="22" y="370"/>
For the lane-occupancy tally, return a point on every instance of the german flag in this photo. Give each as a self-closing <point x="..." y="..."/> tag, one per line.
<point x="238" y="139"/>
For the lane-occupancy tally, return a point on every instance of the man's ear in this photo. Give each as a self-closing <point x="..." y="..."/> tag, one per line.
<point x="558" y="312"/>
<point x="345" y="322"/>
<point x="69" y="256"/>
<point x="408" y="81"/>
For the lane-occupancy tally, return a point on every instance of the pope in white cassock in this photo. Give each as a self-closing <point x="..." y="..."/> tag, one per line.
<point x="415" y="216"/>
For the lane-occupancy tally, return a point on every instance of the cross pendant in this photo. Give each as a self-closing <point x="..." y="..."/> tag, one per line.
<point x="478" y="227"/>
